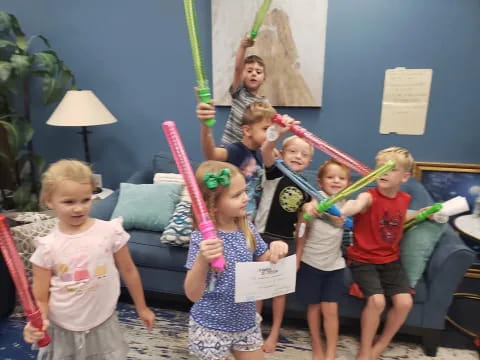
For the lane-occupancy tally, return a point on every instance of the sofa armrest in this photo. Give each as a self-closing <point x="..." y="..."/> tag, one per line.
<point x="103" y="209"/>
<point x="144" y="176"/>
<point x="449" y="262"/>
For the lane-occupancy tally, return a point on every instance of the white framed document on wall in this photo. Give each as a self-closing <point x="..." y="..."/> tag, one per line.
<point x="406" y="96"/>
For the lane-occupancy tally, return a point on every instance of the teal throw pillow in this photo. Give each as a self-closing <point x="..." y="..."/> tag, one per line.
<point x="416" y="247"/>
<point x="147" y="206"/>
<point x="179" y="229"/>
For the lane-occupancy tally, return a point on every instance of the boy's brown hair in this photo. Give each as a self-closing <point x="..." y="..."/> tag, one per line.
<point x="251" y="59"/>
<point x="256" y="112"/>
<point x="399" y="155"/>
<point x="323" y="168"/>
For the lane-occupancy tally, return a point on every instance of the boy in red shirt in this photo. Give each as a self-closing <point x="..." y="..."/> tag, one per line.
<point x="374" y="256"/>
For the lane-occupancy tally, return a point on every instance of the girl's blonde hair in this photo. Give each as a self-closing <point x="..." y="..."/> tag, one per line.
<point x="211" y="196"/>
<point x="323" y="168"/>
<point x="67" y="169"/>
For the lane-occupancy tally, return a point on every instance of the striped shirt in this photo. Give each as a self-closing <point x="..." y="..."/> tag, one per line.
<point x="241" y="98"/>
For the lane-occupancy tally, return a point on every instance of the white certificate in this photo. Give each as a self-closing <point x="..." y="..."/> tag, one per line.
<point x="264" y="280"/>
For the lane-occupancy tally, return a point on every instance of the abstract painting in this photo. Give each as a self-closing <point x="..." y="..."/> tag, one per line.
<point x="291" y="41"/>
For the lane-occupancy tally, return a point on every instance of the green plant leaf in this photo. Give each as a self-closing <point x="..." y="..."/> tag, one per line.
<point x="55" y="95"/>
<point x="12" y="135"/>
<point x="21" y="196"/>
<point x="5" y="159"/>
<point x="25" y="132"/>
<point x="5" y="43"/>
<point x="47" y="61"/>
<point x="15" y="26"/>
<point x="21" y="64"/>
<point x="25" y="170"/>
<point x="5" y="24"/>
<point x="39" y="162"/>
<point x="5" y="70"/>
<point x="48" y="88"/>
<point x="45" y="40"/>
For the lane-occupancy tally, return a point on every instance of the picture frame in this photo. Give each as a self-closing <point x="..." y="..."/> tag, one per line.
<point x="294" y="67"/>
<point x="447" y="180"/>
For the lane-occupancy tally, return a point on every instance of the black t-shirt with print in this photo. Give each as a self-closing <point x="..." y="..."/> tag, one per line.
<point x="287" y="201"/>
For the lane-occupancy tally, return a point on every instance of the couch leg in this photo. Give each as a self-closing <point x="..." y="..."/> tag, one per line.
<point x="431" y="340"/>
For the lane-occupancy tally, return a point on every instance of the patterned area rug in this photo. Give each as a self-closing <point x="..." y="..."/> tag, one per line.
<point x="168" y="340"/>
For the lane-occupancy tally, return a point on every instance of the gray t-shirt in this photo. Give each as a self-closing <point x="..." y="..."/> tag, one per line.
<point x="323" y="245"/>
<point x="241" y="98"/>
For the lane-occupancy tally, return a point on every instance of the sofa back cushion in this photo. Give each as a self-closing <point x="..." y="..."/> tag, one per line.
<point x="163" y="163"/>
<point x="146" y="206"/>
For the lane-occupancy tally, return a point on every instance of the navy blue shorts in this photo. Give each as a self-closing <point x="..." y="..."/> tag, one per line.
<point x="315" y="286"/>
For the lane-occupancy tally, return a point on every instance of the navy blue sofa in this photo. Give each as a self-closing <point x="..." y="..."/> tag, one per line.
<point x="162" y="266"/>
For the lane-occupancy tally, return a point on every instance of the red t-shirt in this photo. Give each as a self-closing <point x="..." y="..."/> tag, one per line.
<point x="378" y="231"/>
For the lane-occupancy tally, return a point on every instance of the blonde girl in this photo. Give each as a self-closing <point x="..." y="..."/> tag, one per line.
<point x="320" y="263"/>
<point x="218" y="326"/>
<point x="75" y="272"/>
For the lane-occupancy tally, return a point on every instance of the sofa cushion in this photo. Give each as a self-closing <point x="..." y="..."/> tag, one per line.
<point x="416" y="248"/>
<point x="24" y="236"/>
<point x="146" y="206"/>
<point x="172" y="178"/>
<point x="147" y="251"/>
<point x="178" y="230"/>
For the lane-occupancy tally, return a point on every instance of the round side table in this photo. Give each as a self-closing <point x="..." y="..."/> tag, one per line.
<point x="462" y="307"/>
<point x="469" y="227"/>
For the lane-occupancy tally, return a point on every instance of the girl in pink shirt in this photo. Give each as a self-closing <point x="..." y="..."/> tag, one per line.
<point x="75" y="272"/>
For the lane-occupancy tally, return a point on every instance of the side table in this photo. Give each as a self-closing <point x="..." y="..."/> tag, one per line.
<point x="465" y="305"/>
<point x="469" y="228"/>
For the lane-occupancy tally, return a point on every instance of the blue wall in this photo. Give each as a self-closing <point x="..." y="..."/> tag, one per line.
<point x="135" y="55"/>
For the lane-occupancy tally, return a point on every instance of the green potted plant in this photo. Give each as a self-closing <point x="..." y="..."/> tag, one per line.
<point x="20" y="166"/>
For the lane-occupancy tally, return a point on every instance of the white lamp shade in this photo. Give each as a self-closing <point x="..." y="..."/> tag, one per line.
<point x="80" y="108"/>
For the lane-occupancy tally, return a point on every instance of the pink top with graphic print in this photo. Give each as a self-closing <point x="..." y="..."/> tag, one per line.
<point x="85" y="284"/>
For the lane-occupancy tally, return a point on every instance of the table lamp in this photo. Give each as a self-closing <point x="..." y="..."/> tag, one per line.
<point x="81" y="108"/>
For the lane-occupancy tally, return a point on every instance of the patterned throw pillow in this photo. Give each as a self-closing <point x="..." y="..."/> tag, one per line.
<point x="178" y="230"/>
<point x="24" y="235"/>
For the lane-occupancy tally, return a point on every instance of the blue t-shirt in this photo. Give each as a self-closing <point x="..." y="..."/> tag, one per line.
<point x="250" y="163"/>
<point x="217" y="309"/>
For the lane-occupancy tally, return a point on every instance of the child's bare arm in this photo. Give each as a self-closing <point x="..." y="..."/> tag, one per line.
<point x="41" y="293"/>
<point x="41" y="287"/>
<point x="131" y="277"/>
<point x="238" y="67"/>
<point x="278" y="249"/>
<point x="268" y="147"/>
<point x="301" y="233"/>
<point x="210" y="150"/>
<point x="194" y="284"/>
<point x="353" y="207"/>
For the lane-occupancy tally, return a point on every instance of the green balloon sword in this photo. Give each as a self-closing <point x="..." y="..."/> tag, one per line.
<point x="202" y="82"/>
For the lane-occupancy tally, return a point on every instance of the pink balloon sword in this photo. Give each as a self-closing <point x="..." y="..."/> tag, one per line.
<point x="325" y="147"/>
<point x="205" y="224"/>
<point x="19" y="277"/>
